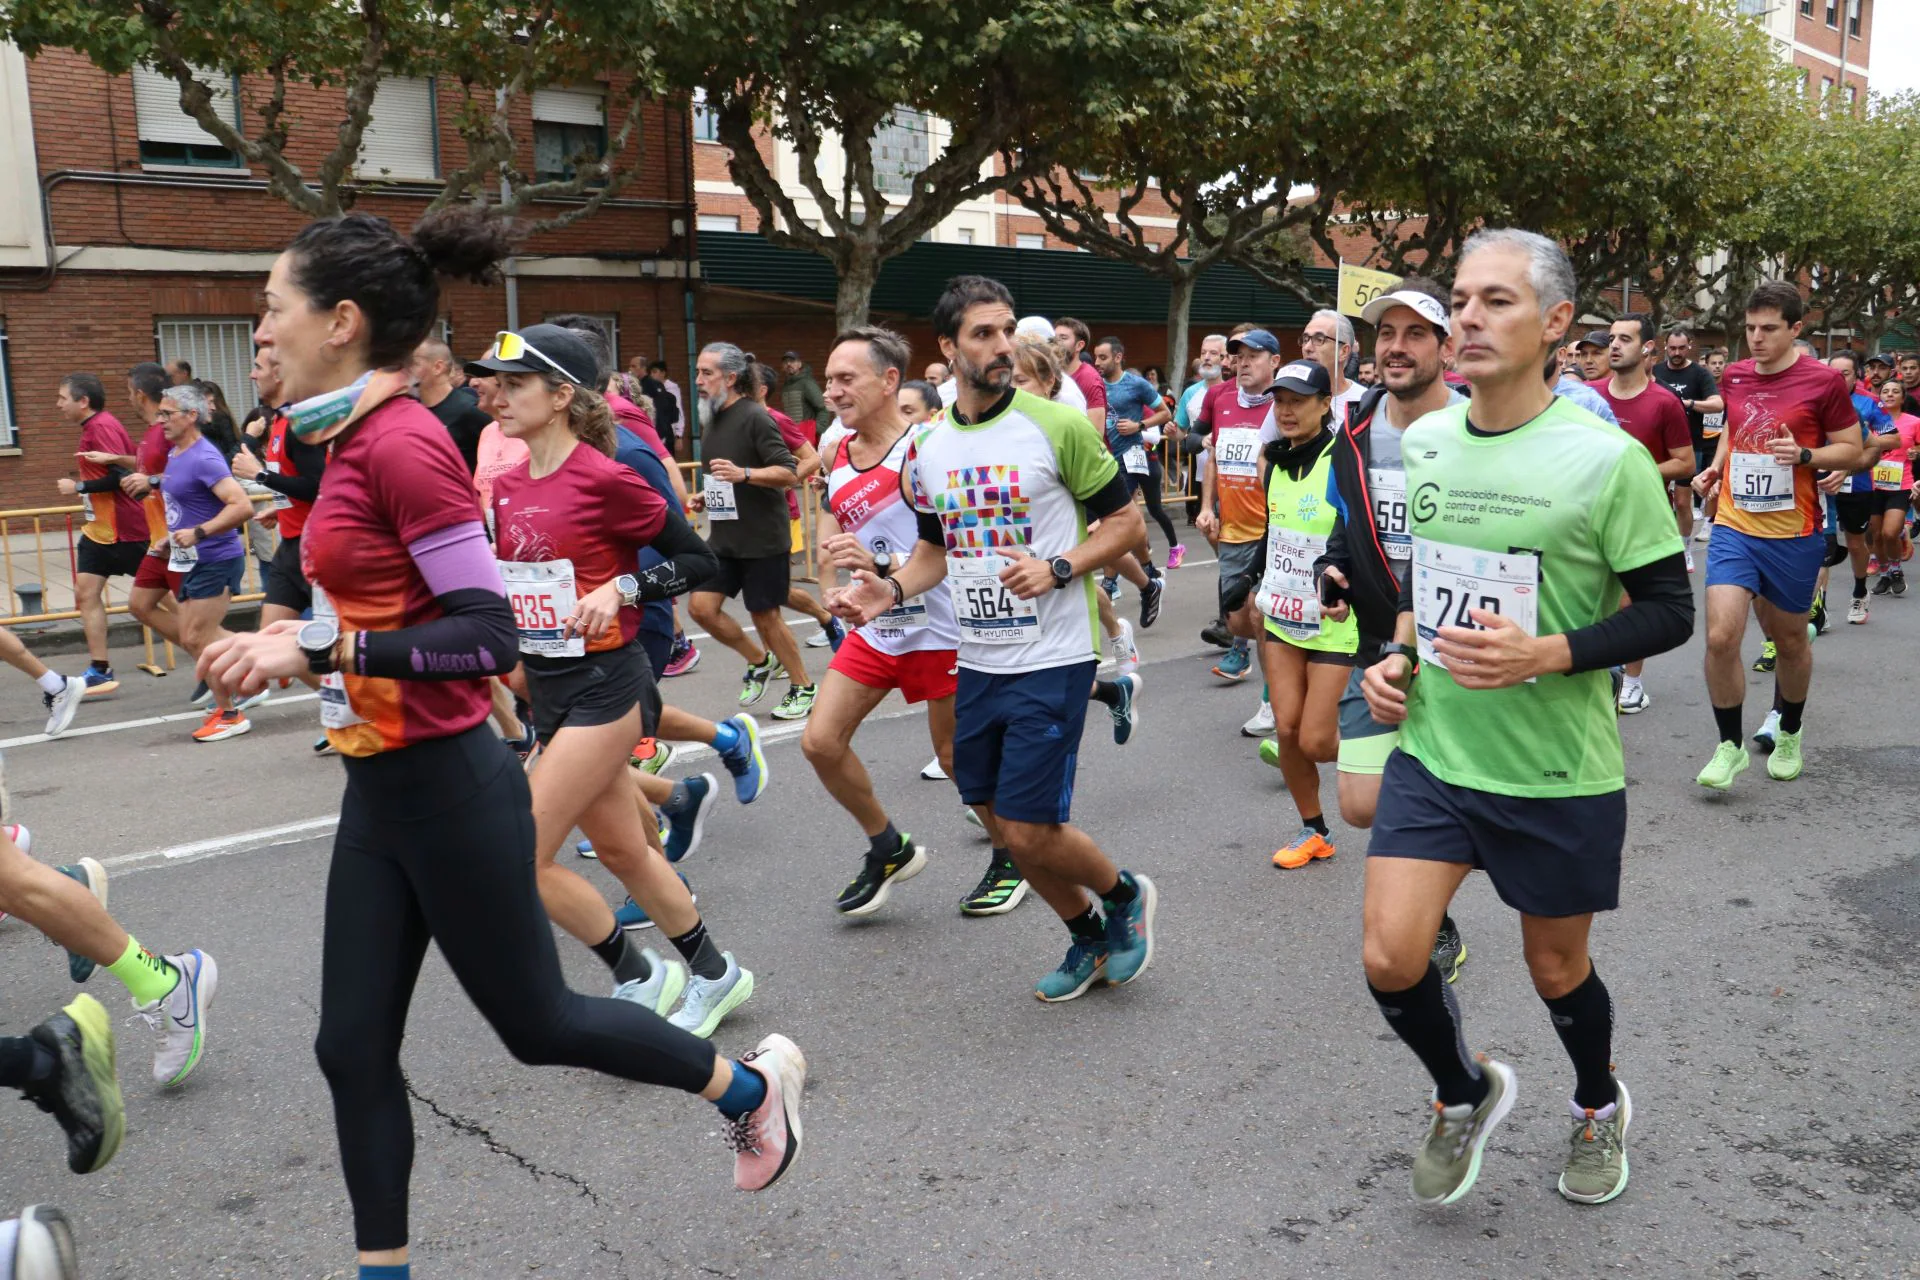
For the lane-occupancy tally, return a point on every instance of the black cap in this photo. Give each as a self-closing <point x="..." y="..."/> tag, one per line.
<point x="570" y="357"/>
<point x="1304" y="377"/>
<point x="1601" y="338"/>
<point x="791" y="355"/>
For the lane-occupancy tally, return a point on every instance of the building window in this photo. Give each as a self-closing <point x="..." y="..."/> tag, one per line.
<point x="220" y="350"/>
<point x="900" y="150"/>
<point x="719" y="222"/>
<point x="168" y="135"/>
<point x="568" y="124"/>
<point x="1833" y="13"/>
<point x="1754" y="8"/>
<point x="1026" y="240"/>
<point x="1826" y="87"/>
<point x="1853" y="18"/>
<point x="401" y="140"/>
<point x="609" y="320"/>
<point x="706" y="121"/>
<point x="963" y="235"/>
<point x="8" y="435"/>
<point x="1806" y="8"/>
<point x="1853" y="95"/>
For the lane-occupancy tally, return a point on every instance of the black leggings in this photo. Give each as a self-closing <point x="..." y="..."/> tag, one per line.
<point x="1150" y="486"/>
<point x="436" y="843"/>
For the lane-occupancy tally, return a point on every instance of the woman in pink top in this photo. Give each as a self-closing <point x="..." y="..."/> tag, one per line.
<point x="1893" y="490"/>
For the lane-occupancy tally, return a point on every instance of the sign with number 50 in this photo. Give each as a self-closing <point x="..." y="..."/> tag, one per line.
<point x="1359" y="286"/>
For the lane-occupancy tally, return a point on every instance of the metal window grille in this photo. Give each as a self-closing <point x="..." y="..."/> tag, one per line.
<point x="220" y="351"/>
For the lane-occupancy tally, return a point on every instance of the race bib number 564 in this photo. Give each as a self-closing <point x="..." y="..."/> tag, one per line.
<point x="988" y="613"/>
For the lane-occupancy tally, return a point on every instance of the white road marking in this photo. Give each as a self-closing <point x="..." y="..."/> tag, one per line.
<point x="35" y="739"/>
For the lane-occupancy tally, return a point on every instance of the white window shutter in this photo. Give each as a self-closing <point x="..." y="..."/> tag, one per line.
<point x="398" y="143"/>
<point x="570" y="106"/>
<point x="156" y="105"/>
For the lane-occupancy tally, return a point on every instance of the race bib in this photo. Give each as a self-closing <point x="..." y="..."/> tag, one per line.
<point x="1449" y="581"/>
<point x="336" y="709"/>
<point x="1238" y="453"/>
<point x="1758" y="483"/>
<point x="1390" y="511"/>
<point x="1135" y="460"/>
<point x="181" y="559"/>
<point x="721" y="503"/>
<point x="897" y="621"/>
<point x="987" y="611"/>
<point x="86" y="505"/>
<point x="543" y="598"/>
<point x="1286" y="591"/>
<point x="280" y="500"/>
<point x="1712" y="424"/>
<point x="1888" y="475"/>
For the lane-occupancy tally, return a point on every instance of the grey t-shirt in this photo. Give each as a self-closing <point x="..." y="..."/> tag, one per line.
<point x="1385" y="451"/>
<point x="744" y="434"/>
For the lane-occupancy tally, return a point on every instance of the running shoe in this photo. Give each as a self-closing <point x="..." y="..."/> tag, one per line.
<point x="220" y="725"/>
<point x="972" y="816"/>
<point x="201" y="696"/>
<point x="526" y="744"/>
<point x="181" y="1017"/>
<point x="1688" y="552"/>
<point x="1883" y="585"/>
<point x="1784" y="764"/>
<point x="1857" y="610"/>
<point x="652" y="755"/>
<point x="1449" y="951"/>
<point x="819" y="639"/>
<point x="1130" y="932"/>
<point x="1126" y="715"/>
<point x="662" y="986"/>
<point x="629" y="915"/>
<point x="753" y="685"/>
<point x="1763" y="736"/>
<point x="1234" y="666"/>
<point x="1126" y="654"/>
<point x="1899" y="582"/>
<point x="1704" y="533"/>
<point x="1873" y="565"/>
<point x="933" y="772"/>
<point x="1305" y="847"/>
<point x="252" y="700"/>
<point x="868" y="892"/>
<point x="1175" y="555"/>
<point x="586" y="850"/>
<point x="1633" y="699"/>
<point x="100" y="682"/>
<point x="710" y="1000"/>
<point x="1000" y="890"/>
<point x="685" y="828"/>
<point x="829" y="636"/>
<point x="745" y="761"/>
<point x="1767" y="655"/>
<point x="1270" y="752"/>
<point x="83" y="1093"/>
<point x="1085" y="965"/>
<point x="323" y="747"/>
<point x="1216" y="634"/>
<point x="766" y="1141"/>
<point x="1112" y="587"/>
<point x="1261" y="725"/>
<point x="1729" y="761"/>
<point x="1596" y="1169"/>
<point x="94" y="876"/>
<point x="1448" y="1162"/>
<point x="1150" y="598"/>
<point x="1817" y="615"/>
<point x="685" y="657"/>
<point x="63" y="706"/>
<point x="798" y="704"/>
<point x="43" y="1247"/>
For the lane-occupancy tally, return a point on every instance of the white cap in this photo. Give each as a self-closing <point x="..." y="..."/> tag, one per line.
<point x="1427" y="306"/>
<point x="1034" y="327"/>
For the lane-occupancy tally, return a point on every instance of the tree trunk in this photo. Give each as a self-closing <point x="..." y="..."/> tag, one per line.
<point x="859" y="270"/>
<point x="1179" y="307"/>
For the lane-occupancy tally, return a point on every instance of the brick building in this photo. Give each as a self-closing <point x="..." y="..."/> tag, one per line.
<point x="1827" y="41"/>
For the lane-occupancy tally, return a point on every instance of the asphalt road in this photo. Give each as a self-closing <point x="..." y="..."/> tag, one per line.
<point x="1242" y="1110"/>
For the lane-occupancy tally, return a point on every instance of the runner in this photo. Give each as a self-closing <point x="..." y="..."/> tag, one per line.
<point x="1891" y="468"/>
<point x="1854" y="504"/>
<point x="292" y="468"/>
<point x="1711" y="424"/>
<point x="113" y="541"/>
<point x="1328" y="341"/>
<point x="151" y="600"/>
<point x="748" y="468"/>
<point x="1699" y="395"/>
<point x="396" y="539"/>
<point x="1509" y="757"/>
<point x="1237" y="419"/>
<point x="1135" y="414"/>
<point x="808" y="465"/>
<point x="494" y="457"/>
<point x="1307" y="658"/>
<point x="1590" y="353"/>
<point x="867" y="524"/>
<point x="1788" y="416"/>
<point x="1366" y="563"/>
<point x="1004" y="486"/>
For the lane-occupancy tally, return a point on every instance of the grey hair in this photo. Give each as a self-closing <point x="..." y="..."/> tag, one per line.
<point x="1220" y="338"/>
<point x="734" y="363"/>
<point x="1548" y="270"/>
<point x="1342" y="329"/>
<point x="191" y="398"/>
<point x="885" y="348"/>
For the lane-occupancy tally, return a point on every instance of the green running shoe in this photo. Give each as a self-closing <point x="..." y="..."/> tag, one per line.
<point x="1596" y="1169"/>
<point x="83" y="1093"/>
<point x="1085" y="965"/>
<point x="798" y="704"/>
<point x="1270" y="752"/>
<point x="1784" y="764"/>
<point x="753" y="685"/>
<point x="1729" y="761"/>
<point x="1000" y="890"/>
<point x="1767" y="655"/>
<point x="1448" y="1162"/>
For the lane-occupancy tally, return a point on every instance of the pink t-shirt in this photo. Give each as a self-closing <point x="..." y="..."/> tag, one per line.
<point x="637" y="420"/>
<point x="497" y="454"/>
<point x="794" y="436"/>
<point x="1909" y="427"/>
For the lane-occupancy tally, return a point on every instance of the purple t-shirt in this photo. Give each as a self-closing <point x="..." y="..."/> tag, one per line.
<point x="187" y="489"/>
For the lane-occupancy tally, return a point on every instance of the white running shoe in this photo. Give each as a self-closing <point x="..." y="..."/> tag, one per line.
<point x="181" y="1017"/>
<point x="38" y="1245"/>
<point x="973" y="818"/>
<point x="1261" y="725"/>
<point x="933" y="772"/>
<point x="1704" y="533"/>
<point x="709" y="1000"/>
<point x="1688" y="551"/>
<point x="766" y="1141"/>
<point x="1633" y="698"/>
<point x="253" y="699"/>
<point x="1764" y="735"/>
<point x="658" y="991"/>
<point x="63" y="706"/>
<point x="1126" y="654"/>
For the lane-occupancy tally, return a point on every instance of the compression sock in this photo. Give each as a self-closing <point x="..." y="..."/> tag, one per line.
<point x="1106" y="692"/>
<point x="146" y="977"/>
<point x="626" y="961"/>
<point x="1859" y="588"/>
<point x="391" y="1271"/>
<point x="725" y="736"/>
<point x="884" y="845"/>
<point x="1087" y="927"/>
<point x="25" y="1061"/>
<point x="745" y="1092"/>
<point x="1318" y="822"/>
<point x="1122" y="894"/>
<point x="697" y="949"/>
<point x="1427" y="1017"/>
<point x="1790" y="713"/>
<point x="1584" y="1020"/>
<point x="1727" y="719"/>
<point x="676" y="803"/>
<point x="52" y="682"/>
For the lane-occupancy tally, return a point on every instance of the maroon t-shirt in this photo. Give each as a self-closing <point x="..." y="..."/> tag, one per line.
<point x="1092" y="386"/>
<point x="1655" y="418"/>
<point x="1209" y="399"/>
<point x="794" y="435"/>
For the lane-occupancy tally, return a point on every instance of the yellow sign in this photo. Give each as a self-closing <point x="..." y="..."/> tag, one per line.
<point x="1359" y="286"/>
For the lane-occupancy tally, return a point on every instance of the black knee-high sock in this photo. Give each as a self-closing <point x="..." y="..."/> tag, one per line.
<point x="1727" y="721"/>
<point x="1584" y="1020"/>
<point x="1427" y="1017"/>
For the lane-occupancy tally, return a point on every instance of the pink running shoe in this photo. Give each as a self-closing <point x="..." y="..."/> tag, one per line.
<point x="683" y="660"/>
<point x="1175" y="556"/>
<point x="766" y="1140"/>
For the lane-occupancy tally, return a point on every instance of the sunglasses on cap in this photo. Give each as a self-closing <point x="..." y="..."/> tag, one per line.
<point x="508" y="345"/>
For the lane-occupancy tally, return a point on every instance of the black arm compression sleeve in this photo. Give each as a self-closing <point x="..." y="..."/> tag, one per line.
<point x="930" y="529"/>
<point x="688" y="561"/>
<point x="477" y="637"/>
<point x="310" y="460"/>
<point x="105" y="484"/>
<point x="1112" y="497"/>
<point x="1659" y="617"/>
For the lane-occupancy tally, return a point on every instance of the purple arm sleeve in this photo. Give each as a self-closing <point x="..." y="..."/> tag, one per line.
<point x="457" y="557"/>
<point x="476" y="637"/>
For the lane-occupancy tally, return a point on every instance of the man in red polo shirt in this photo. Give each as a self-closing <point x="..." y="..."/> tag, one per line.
<point x="114" y="538"/>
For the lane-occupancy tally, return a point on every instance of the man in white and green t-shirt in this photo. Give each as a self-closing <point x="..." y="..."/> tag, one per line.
<point x="1004" y="486"/>
<point x="1528" y="515"/>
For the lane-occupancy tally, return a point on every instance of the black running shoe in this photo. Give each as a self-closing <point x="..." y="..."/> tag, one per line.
<point x="1449" y="950"/>
<point x="868" y="892"/>
<point x="1150" y="602"/>
<point x="1216" y="634"/>
<point x="999" y="891"/>
<point x="82" y="1093"/>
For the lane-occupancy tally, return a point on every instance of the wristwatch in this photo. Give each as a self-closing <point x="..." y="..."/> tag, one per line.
<point x="1394" y="649"/>
<point x="316" y="639"/>
<point x="882" y="564"/>
<point x="1062" y="571"/>
<point x="629" y="588"/>
<point x="1806" y="456"/>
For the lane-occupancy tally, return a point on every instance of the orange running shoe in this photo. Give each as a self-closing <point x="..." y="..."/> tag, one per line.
<point x="222" y="724"/>
<point x="1306" y="846"/>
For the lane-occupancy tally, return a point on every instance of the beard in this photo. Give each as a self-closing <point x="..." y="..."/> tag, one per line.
<point x="710" y="407"/>
<point x="993" y="379"/>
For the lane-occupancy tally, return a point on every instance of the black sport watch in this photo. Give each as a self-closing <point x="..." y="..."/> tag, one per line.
<point x="1806" y="455"/>
<point x="882" y="564"/>
<point x="316" y="639"/>
<point x="1062" y="571"/>
<point x="1394" y="649"/>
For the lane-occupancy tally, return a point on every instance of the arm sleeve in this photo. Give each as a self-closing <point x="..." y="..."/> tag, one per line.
<point x="475" y="623"/>
<point x="686" y="561"/>
<point x="929" y="529"/>
<point x="106" y="483"/>
<point x="1109" y="498"/>
<point x="310" y="460"/>
<point x="1658" y="618"/>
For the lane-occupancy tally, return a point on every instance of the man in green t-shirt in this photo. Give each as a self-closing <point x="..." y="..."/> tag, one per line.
<point x="1528" y="516"/>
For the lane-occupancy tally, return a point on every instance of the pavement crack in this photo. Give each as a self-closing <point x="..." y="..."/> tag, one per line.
<point x="460" y="1124"/>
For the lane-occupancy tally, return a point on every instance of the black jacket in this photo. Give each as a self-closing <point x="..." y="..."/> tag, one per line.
<point x="1354" y="546"/>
